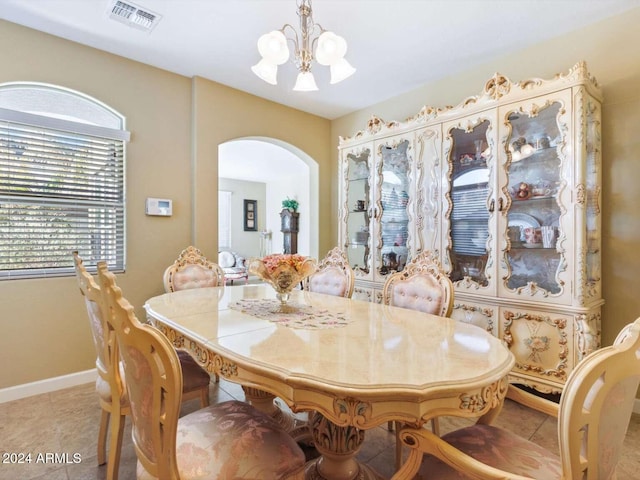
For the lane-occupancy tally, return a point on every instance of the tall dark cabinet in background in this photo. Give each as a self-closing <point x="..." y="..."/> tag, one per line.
<point x="289" y="229"/>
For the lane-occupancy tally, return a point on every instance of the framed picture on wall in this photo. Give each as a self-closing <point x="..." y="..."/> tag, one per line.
<point x="250" y="215"/>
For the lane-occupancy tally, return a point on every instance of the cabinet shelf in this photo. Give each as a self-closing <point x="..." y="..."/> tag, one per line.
<point x="394" y="222"/>
<point x="534" y="248"/>
<point x="533" y="199"/>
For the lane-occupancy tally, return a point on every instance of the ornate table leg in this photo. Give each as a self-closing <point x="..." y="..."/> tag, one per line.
<point x="264" y="401"/>
<point x="338" y="447"/>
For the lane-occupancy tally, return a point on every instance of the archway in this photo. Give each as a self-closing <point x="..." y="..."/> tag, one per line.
<point x="287" y="171"/>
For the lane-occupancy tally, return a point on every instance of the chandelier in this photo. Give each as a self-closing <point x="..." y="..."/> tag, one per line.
<point x="330" y="50"/>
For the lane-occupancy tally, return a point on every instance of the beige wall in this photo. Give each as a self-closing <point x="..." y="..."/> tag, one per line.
<point x="176" y="125"/>
<point x="610" y="49"/>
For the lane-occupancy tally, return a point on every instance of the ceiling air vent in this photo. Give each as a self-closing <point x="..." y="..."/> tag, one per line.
<point x="133" y="15"/>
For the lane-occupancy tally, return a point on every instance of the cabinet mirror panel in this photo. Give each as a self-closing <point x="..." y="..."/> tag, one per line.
<point x="358" y="209"/>
<point x="592" y="174"/>
<point x="534" y="175"/>
<point x="469" y="216"/>
<point x="394" y="197"/>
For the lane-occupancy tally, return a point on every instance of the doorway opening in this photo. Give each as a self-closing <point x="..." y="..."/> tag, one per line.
<point x="269" y="171"/>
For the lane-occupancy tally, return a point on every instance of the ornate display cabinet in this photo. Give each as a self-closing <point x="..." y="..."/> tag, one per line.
<point x="379" y="227"/>
<point x="506" y="188"/>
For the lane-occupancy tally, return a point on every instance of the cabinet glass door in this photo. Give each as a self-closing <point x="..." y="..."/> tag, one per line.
<point x="358" y="200"/>
<point x="534" y="180"/>
<point x="393" y="197"/>
<point x="468" y="192"/>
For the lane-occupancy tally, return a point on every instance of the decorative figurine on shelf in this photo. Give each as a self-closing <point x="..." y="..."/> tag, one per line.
<point x="522" y="192"/>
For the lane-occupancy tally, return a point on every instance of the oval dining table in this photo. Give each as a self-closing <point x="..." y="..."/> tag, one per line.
<point x="354" y="364"/>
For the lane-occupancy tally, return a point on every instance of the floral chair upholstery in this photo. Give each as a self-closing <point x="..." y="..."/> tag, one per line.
<point x="594" y="413"/>
<point x="192" y="270"/>
<point x="233" y="266"/>
<point x="230" y="440"/>
<point x="334" y="275"/>
<point x="110" y="385"/>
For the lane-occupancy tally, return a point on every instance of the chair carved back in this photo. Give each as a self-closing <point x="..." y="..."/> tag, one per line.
<point x="107" y="362"/>
<point x="192" y="270"/>
<point x="422" y="285"/>
<point x="334" y="275"/>
<point x="596" y="407"/>
<point x="154" y="381"/>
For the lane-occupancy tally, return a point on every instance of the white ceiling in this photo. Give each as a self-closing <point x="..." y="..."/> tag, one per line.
<point x="257" y="161"/>
<point x="396" y="45"/>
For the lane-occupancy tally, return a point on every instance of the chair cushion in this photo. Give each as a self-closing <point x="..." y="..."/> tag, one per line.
<point x="194" y="276"/>
<point x="104" y="390"/>
<point x="331" y="281"/>
<point x="194" y="377"/>
<point x="421" y="292"/>
<point x="232" y="440"/>
<point x="498" y="448"/>
<point x="226" y="259"/>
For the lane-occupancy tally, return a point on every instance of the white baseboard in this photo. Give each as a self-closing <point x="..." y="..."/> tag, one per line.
<point x="80" y="378"/>
<point x="47" y="385"/>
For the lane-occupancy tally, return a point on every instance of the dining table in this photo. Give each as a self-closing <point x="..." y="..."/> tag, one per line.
<point x="353" y="365"/>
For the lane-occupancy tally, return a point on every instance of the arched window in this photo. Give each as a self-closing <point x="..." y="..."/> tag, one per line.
<point x="62" y="166"/>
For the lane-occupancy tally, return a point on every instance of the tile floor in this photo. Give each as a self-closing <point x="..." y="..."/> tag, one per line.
<point x="66" y="422"/>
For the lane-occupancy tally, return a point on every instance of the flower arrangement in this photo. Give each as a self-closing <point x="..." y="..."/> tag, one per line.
<point x="283" y="272"/>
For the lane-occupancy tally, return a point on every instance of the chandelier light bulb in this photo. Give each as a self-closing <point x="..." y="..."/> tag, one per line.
<point x="305" y="82"/>
<point x="273" y="47"/>
<point x="266" y="70"/>
<point x="331" y="48"/>
<point x="341" y="70"/>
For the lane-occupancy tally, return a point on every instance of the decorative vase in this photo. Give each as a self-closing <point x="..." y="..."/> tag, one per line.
<point x="283" y="272"/>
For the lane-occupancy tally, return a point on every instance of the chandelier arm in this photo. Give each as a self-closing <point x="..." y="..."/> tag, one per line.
<point x="294" y="35"/>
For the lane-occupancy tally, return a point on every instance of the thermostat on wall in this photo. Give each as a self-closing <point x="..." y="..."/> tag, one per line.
<point x="159" y="206"/>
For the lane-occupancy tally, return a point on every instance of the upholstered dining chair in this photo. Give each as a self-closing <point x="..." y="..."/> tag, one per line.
<point x="593" y="417"/>
<point x="223" y="441"/>
<point x="334" y="275"/>
<point x="192" y="270"/>
<point x="110" y="386"/>
<point x="422" y="285"/>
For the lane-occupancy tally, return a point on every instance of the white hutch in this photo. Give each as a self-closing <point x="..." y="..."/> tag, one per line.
<point x="505" y="187"/>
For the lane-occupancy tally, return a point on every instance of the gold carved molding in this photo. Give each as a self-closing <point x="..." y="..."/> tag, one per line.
<point x="488" y="398"/>
<point x="213" y="363"/>
<point x="538" y="344"/>
<point x="350" y="411"/>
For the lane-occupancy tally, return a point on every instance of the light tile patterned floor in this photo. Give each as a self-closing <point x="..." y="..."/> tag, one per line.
<point x="66" y="422"/>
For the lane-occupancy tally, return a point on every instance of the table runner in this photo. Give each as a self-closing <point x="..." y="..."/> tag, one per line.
<point x="305" y="316"/>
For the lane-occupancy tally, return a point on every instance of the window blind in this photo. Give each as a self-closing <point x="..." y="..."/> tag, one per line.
<point x="60" y="190"/>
